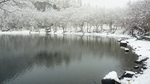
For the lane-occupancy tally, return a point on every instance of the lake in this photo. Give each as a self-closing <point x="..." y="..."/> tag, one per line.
<point x="60" y="59"/>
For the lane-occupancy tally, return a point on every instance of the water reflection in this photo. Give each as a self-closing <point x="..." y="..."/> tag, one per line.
<point x="62" y="59"/>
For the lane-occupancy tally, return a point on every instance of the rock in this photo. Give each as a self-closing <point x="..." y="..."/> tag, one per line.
<point x="111" y="78"/>
<point x="139" y="55"/>
<point x="123" y="43"/>
<point x="109" y="81"/>
<point x="145" y="59"/>
<point x="141" y="72"/>
<point x="119" y="40"/>
<point x="138" y="62"/>
<point x="138" y="37"/>
<point x="126" y="49"/>
<point x="144" y="67"/>
<point x="141" y="60"/>
<point x="136" y="67"/>
<point x="127" y="74"/>
<point x="146" y="38"/>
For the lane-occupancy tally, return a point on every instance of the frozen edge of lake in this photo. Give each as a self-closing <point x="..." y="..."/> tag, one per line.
<point x="141" y="48"/>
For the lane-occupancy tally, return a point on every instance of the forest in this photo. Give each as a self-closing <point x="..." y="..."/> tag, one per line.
<point x="74" y="16"/>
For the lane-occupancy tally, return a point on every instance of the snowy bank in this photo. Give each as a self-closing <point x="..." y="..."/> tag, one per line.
<point x="60" y="32"/>
<point x="23" y="32"/>
<point x="142" y="49"/>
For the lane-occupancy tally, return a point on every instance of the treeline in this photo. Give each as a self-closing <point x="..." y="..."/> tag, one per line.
<point x="19" y="15"/>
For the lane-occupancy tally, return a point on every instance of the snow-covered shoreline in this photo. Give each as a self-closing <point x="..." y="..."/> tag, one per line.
<point x="42" y="32"/>
<point x="140" y="47"/>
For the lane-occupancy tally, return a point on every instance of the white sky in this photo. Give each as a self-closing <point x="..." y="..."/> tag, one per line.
<point x="106" y="3"/>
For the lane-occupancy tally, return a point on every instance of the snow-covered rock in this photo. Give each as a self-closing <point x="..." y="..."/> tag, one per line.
<point x="127" y="75"/>
<point x="119" y="40"/>
<point x="126" y="49"/>
<point x="111" y="78"/>
<point x="141" y="59"/>
<point x="123" y="43"/>
<point x="136" y="67"/>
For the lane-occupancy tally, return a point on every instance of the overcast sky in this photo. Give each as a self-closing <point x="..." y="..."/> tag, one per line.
<point x="106" y="3"/>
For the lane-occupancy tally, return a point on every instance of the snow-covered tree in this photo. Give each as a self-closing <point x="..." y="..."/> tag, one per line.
<point x="138" y="16"/>
<point x="69" y="14"/>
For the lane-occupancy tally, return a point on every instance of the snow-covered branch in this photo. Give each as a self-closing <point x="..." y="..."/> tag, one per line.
<point x="4" y="1"/>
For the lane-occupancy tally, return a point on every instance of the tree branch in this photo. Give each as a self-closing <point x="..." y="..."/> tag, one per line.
<point x="17" y="3"/>
<point x="5" y="10"/>
<point x="4" y="1"/>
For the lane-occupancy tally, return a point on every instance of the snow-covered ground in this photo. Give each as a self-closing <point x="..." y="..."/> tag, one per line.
<point x="140" y="47"/>
<point x="23" y="32"/>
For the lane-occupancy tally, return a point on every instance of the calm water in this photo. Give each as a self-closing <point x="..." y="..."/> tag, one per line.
<point x="57" y="59"/>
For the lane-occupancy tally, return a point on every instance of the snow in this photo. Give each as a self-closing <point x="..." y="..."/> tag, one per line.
<point x="42" y="31"/>
<point x="142" y="58"/>
<point x="142" y="49"/>
<point x="129" y="72"/>
<point x="112" y="75"/>
<point x="15" y="32"/>
<point x="123" y="41"/>
<point x="126" y="49"/>
<point x="24" y="32"/>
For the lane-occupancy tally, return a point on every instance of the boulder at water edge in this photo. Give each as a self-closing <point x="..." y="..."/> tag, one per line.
<point x="128" y="74"/>
<point x="123" y="43"/>
<point x="111" y="78"/>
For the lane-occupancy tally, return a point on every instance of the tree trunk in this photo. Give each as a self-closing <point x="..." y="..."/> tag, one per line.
<point x="132" y="32"/>
<point x="149" y="27"/>
<point x="90" y="27"/>
<point x="55" y="28"/>
<point x="101" y="26"/>
<point x="50" y="28"/>
<point x="110" y="26"/>
<point x="75" y="26"/>
<point x="114" y="29"/>
<point x="82" y="27"/>
<point x="97" y="28"/>
<point x="63" y="27"/>
<point x="87" y="28"/>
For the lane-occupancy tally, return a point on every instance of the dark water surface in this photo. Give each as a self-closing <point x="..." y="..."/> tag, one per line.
<point x="55" y="59"/>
